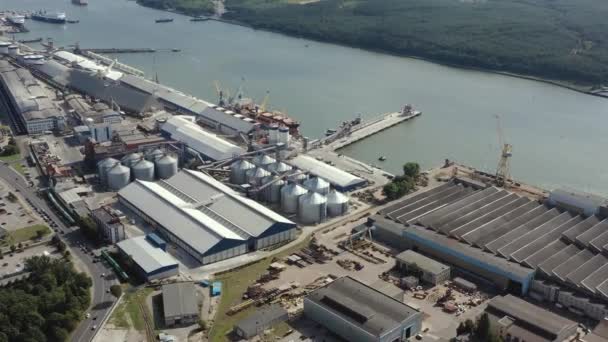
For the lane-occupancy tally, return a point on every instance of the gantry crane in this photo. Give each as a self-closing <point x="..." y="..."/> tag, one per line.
<point x="503" y="172"/>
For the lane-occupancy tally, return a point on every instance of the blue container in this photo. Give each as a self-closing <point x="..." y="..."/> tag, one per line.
<point x="216" y="288"/>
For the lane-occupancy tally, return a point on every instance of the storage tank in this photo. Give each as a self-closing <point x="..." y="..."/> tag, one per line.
<point x="4" y="47"/>
<point x="143" y="170"/>
<point x="278" y="167"/>
<point x="312" y="208"/>
<point x="166" y="166"/>
<point x="118" y="177"/>
<point x="299" y="178"/>
<point x="130" y="159"/>
<point x="238" y="171"/>
<point x="337" y="203"/>
<point x="273" y="132"/>
<point x="13" y="50"/>
<point x="289" y="197"/>
<point x="263" y="160"/>
<point x="103" y="166"/>
<point x="272" y="193"/>
<point x="255" y="176"/>
<point x="317" y="184"/>
<point x="155" y="154"/>
<point x="283" y="136"/>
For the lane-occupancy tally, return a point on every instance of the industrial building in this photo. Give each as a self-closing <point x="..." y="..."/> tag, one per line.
<point x="339" y="179"/>
<point x="262" y="319"/>
<point x="357" y="312"/>
<point x="109" y="222"/>
<point x="151" y="260"/>
<point x="431" y="271"/>
<point x="207" y="219"/>
<point x="514" y="319"/>
<point x="33" y="109"/>
<point x="180" y="304"/>
<point x="210" y="146"/>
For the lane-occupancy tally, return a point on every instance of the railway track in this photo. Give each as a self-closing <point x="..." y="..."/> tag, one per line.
<point x="149" y="327"/>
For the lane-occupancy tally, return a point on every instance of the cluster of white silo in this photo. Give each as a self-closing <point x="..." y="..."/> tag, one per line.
<point x="318" y="185"/>
<point x="278" y="135"/>
<point x="290" y="194"/>
<point x="117" y="174"/>
<point x="263" y="160"/>
<point x="255" y="176"/>
<point x="238" y="171"/>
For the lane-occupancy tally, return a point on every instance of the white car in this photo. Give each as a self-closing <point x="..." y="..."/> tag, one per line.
<point x="94" y="327"/>
<point x="88" y="315"/>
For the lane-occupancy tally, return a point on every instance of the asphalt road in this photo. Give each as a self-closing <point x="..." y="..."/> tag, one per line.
<point x="101" y="301"/>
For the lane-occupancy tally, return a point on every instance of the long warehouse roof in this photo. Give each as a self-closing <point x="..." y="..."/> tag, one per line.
<point x="182" y="129"/>
<point x="150" y="258"/>
<point x="338" y="178"/>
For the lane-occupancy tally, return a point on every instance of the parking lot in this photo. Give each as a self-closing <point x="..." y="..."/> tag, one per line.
<point x="15" y="213"/>
<point x="13" y="262"/>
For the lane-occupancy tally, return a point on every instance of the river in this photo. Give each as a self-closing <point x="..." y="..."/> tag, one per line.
<point x="558" y="135"/>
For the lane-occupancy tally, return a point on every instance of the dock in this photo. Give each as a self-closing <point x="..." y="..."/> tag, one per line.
<point x="369" y="128"/>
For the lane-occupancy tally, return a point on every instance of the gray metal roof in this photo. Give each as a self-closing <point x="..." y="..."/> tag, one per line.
<point x="150" y="258"/>
<point x="179" y="299"/>
<point x="424" y="263"/>
<point x="261" y="317"/>
<point x="531" y="314"/>
<point x="362" y="305"/>
<point x="557" y="259"/>
<point x="335" y="176"/>
<point x="572" y="263"/>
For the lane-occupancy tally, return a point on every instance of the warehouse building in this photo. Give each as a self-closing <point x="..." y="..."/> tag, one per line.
<point x="210" y="146"/>
<point x="357" y="312"/>
<point x="180" y="304"/>
<point x="431" y="271"/>
<point x="152" y="262"/>
<point x="207" y="219"/>
<point x="339" y="179"/>
<point x="262" y="319"/>
<point x="514" y="319"/>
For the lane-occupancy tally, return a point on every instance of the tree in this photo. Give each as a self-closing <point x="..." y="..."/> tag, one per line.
<point x="202" y="324"/>
<point x="19" y="245"/>
<point x="55" y="239"/>
<point x="116" y="290"/>
<point x="61" y="247"/>
<point x="13" y="248"/>
<point x="411" y="170"/>
<point x="469" y="326"/>
<point x="391" y="191"/>
<point x="482" y="331"/>
<point x="1" y="254"/>
<point x="66" y="254"/>
<point x="88" y="227"/>
<point x="461" y="329"/>
<point x="39" y="234"/>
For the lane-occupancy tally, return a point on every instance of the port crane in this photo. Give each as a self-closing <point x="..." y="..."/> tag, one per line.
<point x="503" y="172"/>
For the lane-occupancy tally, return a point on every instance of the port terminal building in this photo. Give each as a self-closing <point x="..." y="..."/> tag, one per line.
<point x="554" y="249"/>
<point x="339" y="179"/>
<point x="204" y="217"/>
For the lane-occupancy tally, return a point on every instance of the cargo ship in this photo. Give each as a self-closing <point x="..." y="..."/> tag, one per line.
<point x="80" y="2"/>
<point x="55" y="18"/>
<point x="16" y="19"/>
<point x="248" y="108"/>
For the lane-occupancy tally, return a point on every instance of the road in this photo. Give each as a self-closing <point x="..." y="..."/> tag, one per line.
<point x="101" y="300"/>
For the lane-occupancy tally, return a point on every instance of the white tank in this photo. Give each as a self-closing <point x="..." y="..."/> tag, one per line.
<point x="273" y="132"/>
<point x="13" y="50"/>
<point x="300" y="178"/>
<point x="166" y="166"/>
<point x="283" y="136"/>
<point x="263" y="160"/>
<point x="4" y="47"/>
<point x="289" y="197"/>
<point x="312" y="208"/>
<point x="317" y="184"/>
<point x="337" y="203"/>
<point x="278" y="167"/>
<point x="143" y="170"/>
<point x="130" y="159"/>
<point x="255" y="176"/>
<point x="155" y="154"/>
<point x="272" y="193"/>
<point x="118" y="177"/>
<point x="103" y="166"/>
<point x="238" y="171"/>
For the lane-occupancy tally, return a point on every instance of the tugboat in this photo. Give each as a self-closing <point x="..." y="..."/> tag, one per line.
<point x="164" y="20"/>
<point x="80" y="2"/>
<point x="382" y="158"/>
<point x="55" y="18"/>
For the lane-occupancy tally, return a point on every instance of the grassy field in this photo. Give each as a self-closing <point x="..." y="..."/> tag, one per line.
<point x="234" y="284"/>
<point x="24" y="234"/>
<point x="10" y="159"/>
<point x="128" y="313"/>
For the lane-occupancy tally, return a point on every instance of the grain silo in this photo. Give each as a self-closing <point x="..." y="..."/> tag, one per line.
<point x="143" y="170"/>
<point x="166" y="166"/>
<point x="318" y="185"/>
<point x="103" y="167"/>
<point x="272" y="192"/>
<point x="255" y="176"/>
<point x="298" y="178"/>
<point x="312" y="208"/>
<point x="118" y="177"/>
<point x="337" y="203"/>
<point x="278" y="167"/>
<point x="289" y="197"/>
<point x="238" y="171"/>
<point x="263" y="160"/>
<point x="155" y="154"/>
<point x="130" y="159"/>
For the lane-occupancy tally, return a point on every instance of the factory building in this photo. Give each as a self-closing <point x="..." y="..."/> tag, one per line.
<point x="34" y="111"/>
<point x="514" y="319"/>
<point x="109" y="221"/>
<point x="151" y="261"/>
<point x="431" y="271"/>
<point x="207" y="219"/>
<point x="339" y="179"/>
<point x="180" y="306"/>
<point x="186" y="130"/>
<point x="357" y="312"/>
<point x="262" y="319"/>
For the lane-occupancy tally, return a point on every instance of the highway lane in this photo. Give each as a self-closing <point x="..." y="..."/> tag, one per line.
<point x="101" y="300"/>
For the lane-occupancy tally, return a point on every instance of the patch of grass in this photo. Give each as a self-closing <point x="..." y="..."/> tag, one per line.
<point x="19" y="168"/>
<point x="129" y="312"/>
<point x="234" y="284"/>
<point x="11" y="158"/>
<point x="25" y="234"/>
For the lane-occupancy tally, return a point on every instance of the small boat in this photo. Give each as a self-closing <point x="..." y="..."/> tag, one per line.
<point x="382" y="158"/>
<point x="80" y="2"/>
<point x="72" y="21"/>
<point x="164" y="20"/>
<point x="329" y="132"/>
<point x="27" y="41"/>
<point x="199" y="19"/>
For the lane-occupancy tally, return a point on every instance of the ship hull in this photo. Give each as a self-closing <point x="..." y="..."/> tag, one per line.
<point x="48" y="19"/>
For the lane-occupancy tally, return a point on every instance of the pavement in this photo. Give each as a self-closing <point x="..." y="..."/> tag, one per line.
<point x="101" y="301"/>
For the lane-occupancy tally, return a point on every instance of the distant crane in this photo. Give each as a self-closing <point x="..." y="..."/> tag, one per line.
<point x="220" y="93"/>
<point x="503" y="172"/>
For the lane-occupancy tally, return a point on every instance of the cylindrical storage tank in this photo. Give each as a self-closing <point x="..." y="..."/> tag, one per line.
<point x="263" y="160"/>
<point x="289" y="197"/>
<point x="272" y="192"/>
<point x="255" y="176"/>
<point x="238" y="171"/>
<point x="118" y="177"/>
<point x="283" y="135"/>
<point x="143" y="170"/>
<point x="273" y="132"/>
<point x="103" y="166"/>
<point x="130" y="159"/>
<point x="278" y="167"/>
<point x="13" y="50"/>
<point x="317" y="184"/>
<point x="4" y="47"/>
<point x="155" y="154"/>
<point x="299" y="178"/>
<point x="312" y="208"/>
<point x="166" y="166"/>
<point x="337" y="203"/>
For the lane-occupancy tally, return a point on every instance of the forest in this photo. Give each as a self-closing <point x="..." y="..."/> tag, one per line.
<point x="47" y="305"/>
